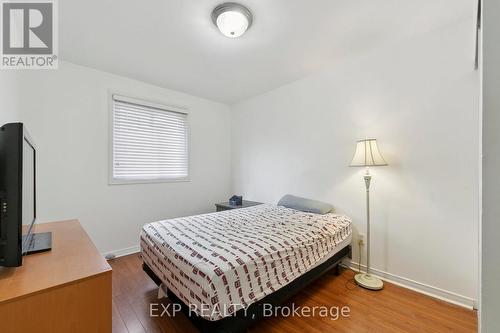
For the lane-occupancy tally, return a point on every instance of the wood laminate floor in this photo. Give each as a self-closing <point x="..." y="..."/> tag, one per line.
<point x="393" y="309"/>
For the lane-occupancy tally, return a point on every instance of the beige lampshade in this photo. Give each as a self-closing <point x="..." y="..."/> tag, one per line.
<point x="367" y="154"/>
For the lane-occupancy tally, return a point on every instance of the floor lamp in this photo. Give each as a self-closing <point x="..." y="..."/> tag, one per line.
<point x="367" y="155"/>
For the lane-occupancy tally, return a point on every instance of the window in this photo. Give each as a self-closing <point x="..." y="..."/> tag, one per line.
<point x="149" y="142"/>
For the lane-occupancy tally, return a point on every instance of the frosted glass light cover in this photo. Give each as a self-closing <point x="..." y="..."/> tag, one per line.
<point x="232" y="24"/>
<point x="367" y="154"/>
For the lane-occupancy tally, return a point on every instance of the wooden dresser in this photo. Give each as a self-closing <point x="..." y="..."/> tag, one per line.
<point x="65" y="290"/>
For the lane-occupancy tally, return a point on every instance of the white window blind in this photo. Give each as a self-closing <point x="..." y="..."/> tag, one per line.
<point x="150" y="142"/>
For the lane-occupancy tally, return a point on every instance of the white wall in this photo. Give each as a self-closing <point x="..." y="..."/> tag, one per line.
<point x="490" y="274"/>
<point x="9" y="97"/>
<point x="66" y="111"/>
<point x="420" y="99"/>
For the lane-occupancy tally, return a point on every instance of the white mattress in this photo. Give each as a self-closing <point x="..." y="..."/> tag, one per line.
<point x="221" y="262"/>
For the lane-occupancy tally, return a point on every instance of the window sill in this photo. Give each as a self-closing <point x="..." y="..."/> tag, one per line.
<point x="147" y="181"/>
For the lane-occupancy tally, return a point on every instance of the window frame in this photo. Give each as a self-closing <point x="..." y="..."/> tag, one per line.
<point x="168" y="107"/>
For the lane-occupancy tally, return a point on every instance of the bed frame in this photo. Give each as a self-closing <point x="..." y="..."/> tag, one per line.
<point x="239" y="322"/>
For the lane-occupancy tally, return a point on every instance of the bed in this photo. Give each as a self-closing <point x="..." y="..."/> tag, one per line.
<point x="223" y="264"/>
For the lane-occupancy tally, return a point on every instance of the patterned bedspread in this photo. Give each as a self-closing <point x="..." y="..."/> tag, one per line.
<point x="221" y="262"/>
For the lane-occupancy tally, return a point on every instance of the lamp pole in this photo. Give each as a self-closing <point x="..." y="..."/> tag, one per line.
<point x="366" y="280"/>
<point x="368" y="179"/>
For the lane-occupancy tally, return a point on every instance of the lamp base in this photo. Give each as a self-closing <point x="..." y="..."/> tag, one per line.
<point x="368" y="281"/>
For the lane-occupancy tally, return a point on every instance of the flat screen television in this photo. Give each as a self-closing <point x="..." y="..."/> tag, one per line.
<point x="18" y="196"/>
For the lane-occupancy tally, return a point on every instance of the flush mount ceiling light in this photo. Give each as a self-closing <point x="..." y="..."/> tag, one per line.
<point x="232" y="19"/>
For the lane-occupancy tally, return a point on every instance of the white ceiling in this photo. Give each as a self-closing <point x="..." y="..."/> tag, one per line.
<point x="173" y="43"/>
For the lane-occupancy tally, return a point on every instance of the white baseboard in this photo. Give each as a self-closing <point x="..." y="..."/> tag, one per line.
<point x="123" y="252"/>
<point x="419" y="287"/>
<point x="445" y="295"/>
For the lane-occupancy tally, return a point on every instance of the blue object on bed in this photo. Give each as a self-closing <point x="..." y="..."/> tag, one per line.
<point x="305" y="205"/>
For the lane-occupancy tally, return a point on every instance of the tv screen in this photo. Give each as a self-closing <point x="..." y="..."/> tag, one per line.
<point x="28" y="191"/>
<point x="18" y="197"/>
